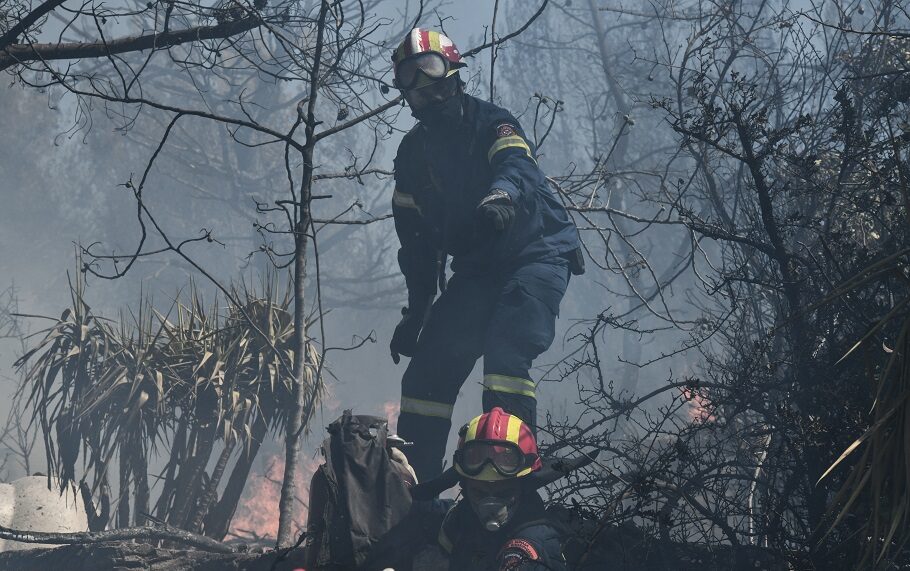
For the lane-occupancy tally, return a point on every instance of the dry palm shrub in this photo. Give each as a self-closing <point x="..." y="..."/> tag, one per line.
<point x="197" y="389"/>
<point x="875" y="496"/>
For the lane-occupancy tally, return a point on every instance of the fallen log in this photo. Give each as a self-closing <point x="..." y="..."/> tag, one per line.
<point x="159" y="532"/>
<point x="125" y="555"/>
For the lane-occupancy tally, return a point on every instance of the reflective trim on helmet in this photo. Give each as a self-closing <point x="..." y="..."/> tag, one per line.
<point x="404" y="200"/>
<point x="422" y="40"/>
<point x="471" y="433"/>
<point x="435" y="44"/>
<point x="511" y="385"/>
<point x="513" y="141"/>
<point x="426" y="407"/>
<point x="513" y="429"/>
<point x="416" y="42"/>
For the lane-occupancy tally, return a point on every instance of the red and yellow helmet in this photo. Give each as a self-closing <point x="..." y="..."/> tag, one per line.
<point x="496" y="446"/>
<point x="424" y="57"/>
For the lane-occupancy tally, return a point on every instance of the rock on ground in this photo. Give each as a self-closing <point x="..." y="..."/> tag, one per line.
<point x="27" y="505"/>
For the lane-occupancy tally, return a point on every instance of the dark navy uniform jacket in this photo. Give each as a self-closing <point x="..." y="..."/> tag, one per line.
<point x="441" y="177"/>
<point x="528" y="542"/>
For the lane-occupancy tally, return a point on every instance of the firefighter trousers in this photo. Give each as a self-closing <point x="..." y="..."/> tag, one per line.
<point x="507" y="317"/>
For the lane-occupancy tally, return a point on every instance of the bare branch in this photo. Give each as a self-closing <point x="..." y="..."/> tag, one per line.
<point x="21" y="53"/>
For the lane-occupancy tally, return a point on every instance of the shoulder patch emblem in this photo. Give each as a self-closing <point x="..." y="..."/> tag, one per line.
<point x="516" y="552"/>
<point x="505" y="130"/>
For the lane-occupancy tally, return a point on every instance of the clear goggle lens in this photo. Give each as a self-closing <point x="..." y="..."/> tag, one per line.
<point x="431" y="64"/>
<point x="507" y="459"/>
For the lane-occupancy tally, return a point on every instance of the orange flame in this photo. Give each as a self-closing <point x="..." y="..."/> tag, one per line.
<point x="700" y="409"/>
<point x="256" y="518"/>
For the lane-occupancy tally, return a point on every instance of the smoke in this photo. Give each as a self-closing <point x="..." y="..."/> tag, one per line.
<point x="391" y="409"/>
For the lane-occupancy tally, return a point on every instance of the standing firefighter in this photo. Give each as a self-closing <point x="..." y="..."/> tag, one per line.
<point x="467" y="185"/>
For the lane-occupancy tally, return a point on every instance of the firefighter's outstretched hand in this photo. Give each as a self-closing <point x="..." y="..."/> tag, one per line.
<point x="404" y="340"/>
<point x="496" y="210"/>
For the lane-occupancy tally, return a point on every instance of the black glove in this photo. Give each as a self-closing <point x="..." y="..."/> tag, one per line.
<point x="496" y="210"/>
<point x="404" y="340"/>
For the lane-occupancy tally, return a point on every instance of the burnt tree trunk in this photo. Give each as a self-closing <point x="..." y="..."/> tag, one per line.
<point x="141" y="490"/>
<point x="177" y="456"/>
<point x="218" y="520"/>
<point x="211" y="490"/>
<point x="298" y="404"/>
<point x="123" y="504"/>
<point x="188" y="490"/>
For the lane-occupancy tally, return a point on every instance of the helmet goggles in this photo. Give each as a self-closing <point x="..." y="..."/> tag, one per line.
<point x="426" y="65"/>
<point x="504" y="457"/>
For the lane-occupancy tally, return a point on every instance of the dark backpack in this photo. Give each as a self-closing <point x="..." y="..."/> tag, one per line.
<point x="356" y="497"/>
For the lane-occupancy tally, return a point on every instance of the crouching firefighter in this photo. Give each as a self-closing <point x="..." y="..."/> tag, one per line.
<point x="500" y="523"/>
<point x="467" y="185"/>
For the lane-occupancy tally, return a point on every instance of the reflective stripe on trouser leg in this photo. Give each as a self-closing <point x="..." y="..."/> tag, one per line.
<point x="426" y="407"/>
<point x="427" y="424"/>
<point x="507" y="384"/>
<point x="514" y="395"/>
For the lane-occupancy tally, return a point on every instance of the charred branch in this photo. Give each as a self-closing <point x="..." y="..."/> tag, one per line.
<point x="22" y="53"/>
<point x="149" y="533"/>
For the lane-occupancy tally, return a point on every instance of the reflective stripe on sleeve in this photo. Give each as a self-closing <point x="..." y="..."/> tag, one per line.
<point x="426" y="407"/>
<point x="404" y="200"/>
<point x="509" y="142"/>
<point x="513" y="385"/>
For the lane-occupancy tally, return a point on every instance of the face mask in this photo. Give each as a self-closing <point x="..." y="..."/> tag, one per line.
<point x="437" y="105"/>
<point x="446" y="113"/>
<point x="493" y="512"/>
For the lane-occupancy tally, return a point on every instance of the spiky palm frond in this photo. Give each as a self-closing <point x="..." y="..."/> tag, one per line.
<point x="89" y="387"/>
<point x="192" y="379"/>
<point x="877" y="490"/>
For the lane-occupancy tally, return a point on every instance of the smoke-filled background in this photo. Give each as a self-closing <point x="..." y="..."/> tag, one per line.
<point x="64" y="189"/>
<point x="736" y="170"/>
